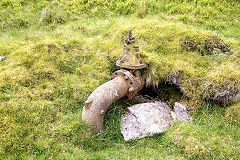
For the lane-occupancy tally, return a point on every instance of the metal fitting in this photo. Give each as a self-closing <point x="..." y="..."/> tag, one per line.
<point x="135" y="83"/>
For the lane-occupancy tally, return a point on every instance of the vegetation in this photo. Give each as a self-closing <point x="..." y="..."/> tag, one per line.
<point x="55" y="53"/>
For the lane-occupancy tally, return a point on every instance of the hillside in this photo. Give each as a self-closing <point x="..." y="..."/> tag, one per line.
<point x="53" y="54"/>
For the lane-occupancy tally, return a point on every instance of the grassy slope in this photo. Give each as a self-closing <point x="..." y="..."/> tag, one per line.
<point x="57" y="54"/>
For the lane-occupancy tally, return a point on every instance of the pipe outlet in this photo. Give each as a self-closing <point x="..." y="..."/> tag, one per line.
<point x="123" y="84"/>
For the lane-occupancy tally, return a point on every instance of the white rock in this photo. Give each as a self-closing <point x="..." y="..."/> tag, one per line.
<point x="181" y="112"/>
<point x="2" y="57"/>
<point x="145" y="119"/>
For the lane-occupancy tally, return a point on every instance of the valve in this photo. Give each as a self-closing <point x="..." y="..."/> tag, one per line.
<point x="131" y="58"/>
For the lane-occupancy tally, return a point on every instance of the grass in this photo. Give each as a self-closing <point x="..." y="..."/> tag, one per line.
<point x="56" y="53"/>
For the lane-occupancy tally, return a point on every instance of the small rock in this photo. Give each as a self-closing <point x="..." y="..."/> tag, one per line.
<point x="2" y="57"/>
<point x="175" y="78"/>
<point x="180" y="112"/>
<point x="217" y="51"/>
<point x="227" y="96"/>
<point x="145" y="119"/>
<point x="173" y="115"/>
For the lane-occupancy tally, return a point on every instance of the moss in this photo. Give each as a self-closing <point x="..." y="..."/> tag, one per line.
<point x="233" y="113"/>
<point x="201" y="73"/>
<point x="204" y="138"/>
<point x="52" y="65"/>
<point x="206" y="45"/>
<point x="16" y="76"/>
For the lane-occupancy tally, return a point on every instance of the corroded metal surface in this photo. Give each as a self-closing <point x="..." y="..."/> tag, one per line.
<point x="135" y="81"/>
<point x="123" y="84"/>
<point x="131" y="58"/>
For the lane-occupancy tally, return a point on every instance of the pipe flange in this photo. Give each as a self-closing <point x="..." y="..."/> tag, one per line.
<point x="134" y="83"/>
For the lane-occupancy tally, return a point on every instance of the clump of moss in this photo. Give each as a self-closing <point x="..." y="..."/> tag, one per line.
<point x="205" y="137"/>
<point x="39" y="83"/>
<point x="206" y="45"/>
<point x="233" y="113"/>
<point x="50" y="17"/>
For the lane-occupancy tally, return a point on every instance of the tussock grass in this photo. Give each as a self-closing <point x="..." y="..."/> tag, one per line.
<point x="204" y="138"/>
<point x="56" y="53"/>
<point x="232" y="113"/>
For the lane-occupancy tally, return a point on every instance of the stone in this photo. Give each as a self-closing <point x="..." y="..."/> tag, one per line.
<point x="152" y="118"/>
<point x="227" y="96"/>
<point x="2" y="57"/>
<point x="180" y="112"/>
<point x="217" y="51"/>
<point x="175" y="78"/>
<point x="145" y="119"/>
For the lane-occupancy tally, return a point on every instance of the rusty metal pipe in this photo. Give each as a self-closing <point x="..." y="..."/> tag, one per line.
<point x="123" y="84"/>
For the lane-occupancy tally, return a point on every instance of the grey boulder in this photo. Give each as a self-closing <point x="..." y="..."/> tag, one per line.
<point x="147" y="119"/>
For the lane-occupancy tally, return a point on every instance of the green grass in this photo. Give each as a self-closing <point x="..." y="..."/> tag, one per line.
<point x="58" y="52"/>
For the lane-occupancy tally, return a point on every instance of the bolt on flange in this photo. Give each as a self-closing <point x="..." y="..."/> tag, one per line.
<point x="135" y="82"/>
